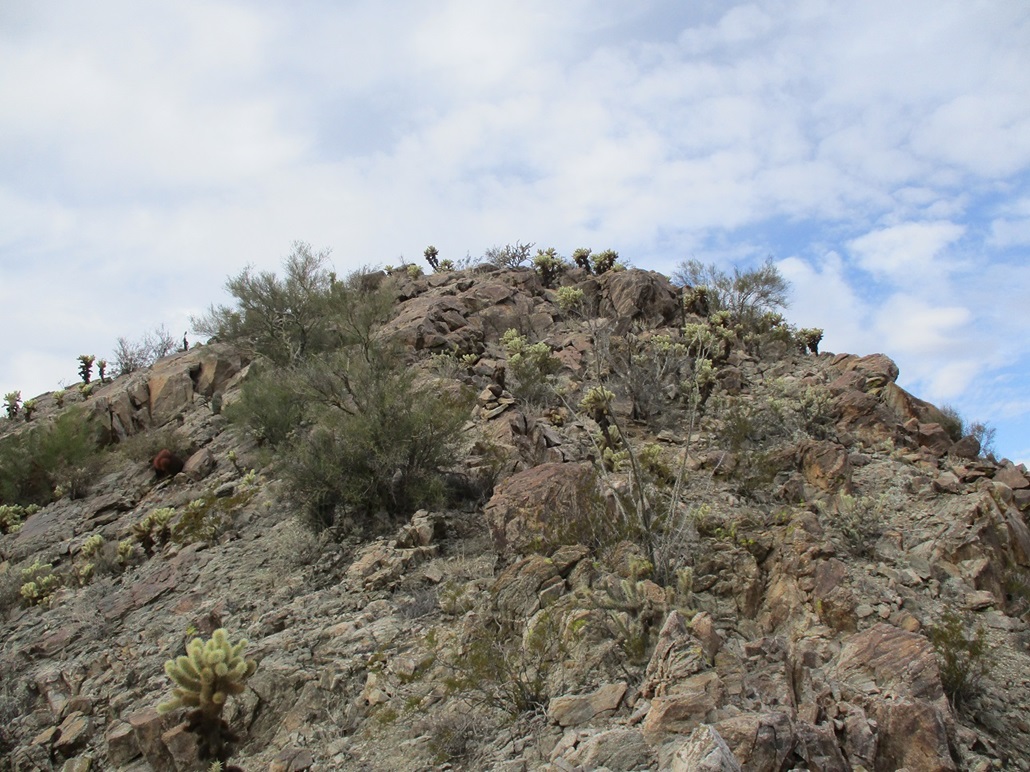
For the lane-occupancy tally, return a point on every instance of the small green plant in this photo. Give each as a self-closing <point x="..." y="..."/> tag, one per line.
<point x="414" y="271"/>
<point x="604" y="261"/>
<point x="532" y="365"/>
<point x="860" y="520"/>
<point x="59" y="398"/>
<point x="86" y="367"/>
<point x="12" y="516"/>
<point x="154" y="530"/>
<point x="39" y="583"/>
<point x="570" y="299"/>
<point x="809" y="338"/>
<point x="499" y="668"/>
<point x="963" y="656"/>
<point x="548" y="265"/>
<point x="102" y="370"/>
<point x="205" y="677"/>
<point x="29" y="407"/>
<point x="581" y="257"/>
<point x="432" y="255"/>
<point x="13" y="403"/>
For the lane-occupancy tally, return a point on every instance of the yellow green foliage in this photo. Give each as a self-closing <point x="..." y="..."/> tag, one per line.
<point x="40" y="583"/>
<point x="154" y="530"/>
<point x="208" y="673"/>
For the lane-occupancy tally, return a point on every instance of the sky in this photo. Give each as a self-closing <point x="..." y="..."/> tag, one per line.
<point x="878" y="152"/>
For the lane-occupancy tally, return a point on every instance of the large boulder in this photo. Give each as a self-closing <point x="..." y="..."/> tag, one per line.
<point x="893" y="676"/>
<point x="543" y="505"/>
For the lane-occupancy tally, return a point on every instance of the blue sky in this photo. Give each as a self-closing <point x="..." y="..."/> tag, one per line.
<point x="878" y="151"/>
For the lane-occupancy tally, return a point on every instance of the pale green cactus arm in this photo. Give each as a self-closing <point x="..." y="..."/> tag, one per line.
<point x="208" y="673"/>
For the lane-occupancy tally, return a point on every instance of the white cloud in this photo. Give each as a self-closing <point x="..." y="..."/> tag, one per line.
<point x="907" y="252"/>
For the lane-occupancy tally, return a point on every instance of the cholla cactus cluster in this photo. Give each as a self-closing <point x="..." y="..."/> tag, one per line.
<point x="208" y="674"/>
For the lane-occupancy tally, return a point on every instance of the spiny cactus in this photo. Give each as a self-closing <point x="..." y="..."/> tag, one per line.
<point x="86" y="367"/>
<point x="208" y="673"/>
<point x="154" y="529"/>
<point x="13" y="400"/>
<point x="206" y="676"/>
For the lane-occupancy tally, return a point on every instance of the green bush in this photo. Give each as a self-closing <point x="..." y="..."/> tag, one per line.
<point x="34" y="463"/>
<point x="285" y="319"/>
<point x="379" y="441"/>
<point x="531" y="366"/>
<point x="508" y="256"/>
<point x="963" y="656"/>
<point x="746" y="295"/>
<point x="269" y="405"/>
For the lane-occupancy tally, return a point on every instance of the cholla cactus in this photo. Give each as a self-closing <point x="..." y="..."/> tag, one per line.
<point x="154" y="529"/>
<point x="208" y="674"/>
<point x="86" y="366"/>
<point x="205" y="677"/>
<point x="102" y="369"/>
<point x="29" y="407"/>
<point x="59" y="397"/>
<point x="13" y="400"/>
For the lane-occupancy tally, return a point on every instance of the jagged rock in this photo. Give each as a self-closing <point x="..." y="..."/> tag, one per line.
<point x="704" y="751"/>
<point x="199" y="465"/>
<point x="517" y="590"/>
<point x="759" y="741"/>
<point x="933" y="437"/>
<point x="893" y="676"/>
<point x="687" y="704"/>
<point x="825" y="465"/>
<point x="677" y="655"/>
<point x="1012" y="476"/>
<point x="121" y="743"/>
<point x="536" y="505"/>
<point x="618" y="749"/>
<point x="646" y="296"/>
<point x="574" y="710"/>
<point x="967" y="447"/>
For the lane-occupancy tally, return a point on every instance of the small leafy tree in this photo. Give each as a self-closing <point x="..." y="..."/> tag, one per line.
<point x="746" y="294"/>
<point x="130" y="356"/>
<point x="963" y="658"/>
<point x="508" y="256"/>
<point x="284" y="319"/>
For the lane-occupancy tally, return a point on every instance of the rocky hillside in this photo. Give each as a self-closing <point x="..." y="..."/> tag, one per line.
<point x="674" y="539"/>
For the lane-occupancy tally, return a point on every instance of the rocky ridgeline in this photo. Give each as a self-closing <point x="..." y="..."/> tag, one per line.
<point x="834" y="531"/>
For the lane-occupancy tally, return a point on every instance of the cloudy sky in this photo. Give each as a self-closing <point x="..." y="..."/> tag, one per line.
<point x="878" y="151"/>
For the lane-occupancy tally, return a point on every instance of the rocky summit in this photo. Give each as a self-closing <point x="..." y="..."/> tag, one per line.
<point x="671" y="536"/>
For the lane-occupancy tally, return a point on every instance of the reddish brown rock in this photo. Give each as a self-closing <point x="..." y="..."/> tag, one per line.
<point x="546" y="504"/>
<point x="825" y="465"/>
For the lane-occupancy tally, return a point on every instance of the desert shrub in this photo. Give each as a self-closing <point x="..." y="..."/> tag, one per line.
<point x="133" y="355"/>
<point x="269" y="405"/>
<point x="508" y="256"/>
<point x="531" y="366"/>
<point x="746" y="294"/>
<point x="957" y="428"/>
<point x="860" y="521"/>
<point x="379" y="441"/>
<point x="453" y="738"/>
<point x="143" y="446"/>
<point x="503" y="665"/>
<point x="951" y="422"/>
<point x="62" y="452"/>
<point x="650" y="370"/>
<point x="285" y="319"/>
<point x="963" y="656"/>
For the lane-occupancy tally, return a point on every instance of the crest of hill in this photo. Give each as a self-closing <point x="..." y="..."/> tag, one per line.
<point x="661" y="531"/>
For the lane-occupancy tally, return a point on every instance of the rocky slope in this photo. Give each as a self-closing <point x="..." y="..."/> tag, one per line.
<point x="826" y="527"/>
